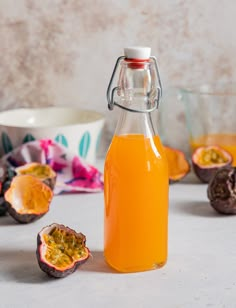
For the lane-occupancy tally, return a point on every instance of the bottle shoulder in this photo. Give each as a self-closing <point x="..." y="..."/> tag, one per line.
<point x="136" y="157"/>
<point x="137" y="145"/>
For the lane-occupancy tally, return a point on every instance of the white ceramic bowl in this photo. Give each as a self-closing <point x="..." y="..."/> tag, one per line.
<point x="78" y="130"/>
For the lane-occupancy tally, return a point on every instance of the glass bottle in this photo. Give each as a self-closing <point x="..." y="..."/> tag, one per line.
<point x="135" y="171"/>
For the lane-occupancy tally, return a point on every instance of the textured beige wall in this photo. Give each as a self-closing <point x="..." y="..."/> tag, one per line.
<point x="58" y="52"/>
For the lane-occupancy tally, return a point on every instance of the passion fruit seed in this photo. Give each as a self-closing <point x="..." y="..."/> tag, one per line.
<point x="60" y="250"/>
<point x="207" y="160"/>
<point x="212" y="156"/>
<point x="40" y="171"/>
<point x="63" y="248"/>
<point x="43" y="172"/>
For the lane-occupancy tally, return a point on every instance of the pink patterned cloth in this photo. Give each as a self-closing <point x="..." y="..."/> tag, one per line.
<point x="73" y="174"/>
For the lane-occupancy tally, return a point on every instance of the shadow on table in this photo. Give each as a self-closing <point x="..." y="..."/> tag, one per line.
<point x="196" y="208"/>
<point x="7" y="220"/>
<point x="21" y="266"/>
<point x="97" y="263"/>
<point x="190" y="178"/>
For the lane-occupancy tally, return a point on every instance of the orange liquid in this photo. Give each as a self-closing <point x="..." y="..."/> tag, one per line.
<point x="136" y="204"/>
<point x="226" y="141"/>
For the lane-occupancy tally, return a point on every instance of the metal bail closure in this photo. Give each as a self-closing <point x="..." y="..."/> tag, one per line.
<point x="111" y="93"/>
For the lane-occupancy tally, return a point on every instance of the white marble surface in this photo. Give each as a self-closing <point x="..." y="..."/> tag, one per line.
<point x="201" y="269"/>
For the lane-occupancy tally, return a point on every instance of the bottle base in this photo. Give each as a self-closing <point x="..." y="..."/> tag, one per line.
<point x="134" y="269"/>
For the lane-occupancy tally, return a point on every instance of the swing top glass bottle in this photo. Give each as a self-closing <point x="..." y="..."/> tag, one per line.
<point x="135" y="172"/>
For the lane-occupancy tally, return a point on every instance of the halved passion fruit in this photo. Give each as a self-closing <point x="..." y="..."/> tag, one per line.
<point x="207" y="160"/>
<point x="177" y="163"/>
<point x="28" y="198"/>
<point x="60" y="250"/>
<point x="41" y="171"/>
<point x="221" y="190"/>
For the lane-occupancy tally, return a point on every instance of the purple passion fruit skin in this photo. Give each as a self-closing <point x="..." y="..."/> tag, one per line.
<point x="6" y="175"/>
<point x="207" y="160"/>
<point x="22" y="218"/>
<point x="3" y="206"/>
<point x="3" y="173"/>
<point x="60" y="250"/>
<point x="221" y="191"/>
<point x="27" y="198"/>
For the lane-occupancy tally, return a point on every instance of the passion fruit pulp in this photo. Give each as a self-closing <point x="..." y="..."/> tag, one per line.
<point x="60" y="250"/>
<point x="207" y="160"/>
<point x="41" y="171"/>
<point x="221" y="190"/>
<point x="28" y="198"/>
<point x="178" y="164"/>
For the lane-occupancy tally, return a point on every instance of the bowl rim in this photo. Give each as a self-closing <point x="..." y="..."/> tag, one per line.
<point x="6" y="121"/>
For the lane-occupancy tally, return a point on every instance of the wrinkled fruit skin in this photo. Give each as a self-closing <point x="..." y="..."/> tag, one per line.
<point x="222" y="191"/>
<point x="22" y="218"/>
<point x="3" y="206"/>
<point x="6" y="175"/>
<point x="3" y="172"/>
<point x="48" y="267"/>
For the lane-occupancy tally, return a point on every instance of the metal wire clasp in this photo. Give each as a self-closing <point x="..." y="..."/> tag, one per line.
<point x="111" y="93"/>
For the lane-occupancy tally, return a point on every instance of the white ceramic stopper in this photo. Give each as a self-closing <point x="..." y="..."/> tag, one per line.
<point x="137" y="52"/>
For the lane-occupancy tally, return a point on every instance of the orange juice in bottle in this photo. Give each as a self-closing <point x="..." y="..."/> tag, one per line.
<point x="136" y="171"/>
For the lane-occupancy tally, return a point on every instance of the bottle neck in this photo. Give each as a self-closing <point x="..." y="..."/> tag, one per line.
<point x="137" y="94"/>
<point x="132" y="123"/>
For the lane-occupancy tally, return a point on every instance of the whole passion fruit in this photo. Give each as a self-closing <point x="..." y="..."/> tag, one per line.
<point x="41" y="171"/>
<point x="3" y="206"/>
<point x="60" y="250"/>
<point x="221" y="190"/>
<point x="3" y="172"/>
<point x="208" y="159"/>
<point x="6" y="175"/>
<point x="178" y="164"/>
<point x="28" y="198"/>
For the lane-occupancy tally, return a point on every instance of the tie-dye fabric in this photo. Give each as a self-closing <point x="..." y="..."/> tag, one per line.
<point x="73" y="174"/>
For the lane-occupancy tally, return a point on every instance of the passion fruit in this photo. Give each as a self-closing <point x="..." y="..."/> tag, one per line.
<point x="60" y="250"/>
<point x="28" y="198"/>
<point x="3" y="206"/>
<point x="41" y="171"/>
<point x="178" y="164"/>
<point x="3" y="172"/>
<point x="6" y="174"/>
<point x="221" y="190"/>
<point x="207" y="160"/>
